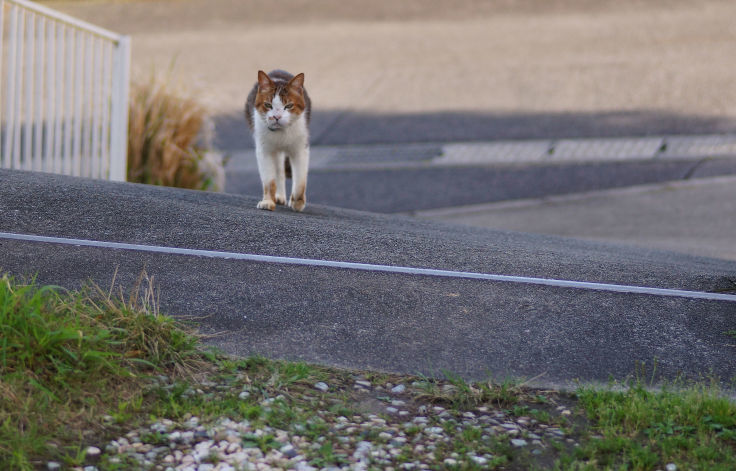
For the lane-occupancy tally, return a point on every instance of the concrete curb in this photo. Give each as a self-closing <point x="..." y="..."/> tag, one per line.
<point x="508" y="152"/>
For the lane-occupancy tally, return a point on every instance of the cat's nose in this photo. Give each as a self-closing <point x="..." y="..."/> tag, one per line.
<point x="276" y="117"/>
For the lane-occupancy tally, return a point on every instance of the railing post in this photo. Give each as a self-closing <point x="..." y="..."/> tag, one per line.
<point x="119" y="111"/>
<point x="7" y="150"/>
<point x="64" y="102"/>
<point x="28" y="79"/>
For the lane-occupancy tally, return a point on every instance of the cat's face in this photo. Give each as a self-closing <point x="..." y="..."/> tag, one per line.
<point x="279" y="103"/>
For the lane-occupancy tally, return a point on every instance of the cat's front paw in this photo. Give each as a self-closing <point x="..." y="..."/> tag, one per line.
<point x="266" y="204"/>
<point x="297" y="204"/>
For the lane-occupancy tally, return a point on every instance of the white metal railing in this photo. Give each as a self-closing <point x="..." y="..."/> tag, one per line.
<point x="64" y="87"/>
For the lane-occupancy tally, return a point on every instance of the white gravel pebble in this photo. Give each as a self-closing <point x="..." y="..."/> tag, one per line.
<point x="423" y="431"/>
<point x="93" y="451"/>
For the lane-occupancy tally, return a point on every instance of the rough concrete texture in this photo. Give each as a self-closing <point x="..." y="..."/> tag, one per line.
<point x="385" y="70"/>
<point x="474" y="328"/>
<point x="695" y="217"/>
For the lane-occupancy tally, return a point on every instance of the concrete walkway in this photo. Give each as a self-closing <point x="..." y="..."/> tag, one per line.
<point x="697" y="217"/>
<point x="509" y="152"/>
<point x="416" y="71"/>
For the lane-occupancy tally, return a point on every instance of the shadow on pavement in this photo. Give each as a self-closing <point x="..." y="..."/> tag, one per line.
<point x="407" y="190"/>
<point x="345" y="127"/>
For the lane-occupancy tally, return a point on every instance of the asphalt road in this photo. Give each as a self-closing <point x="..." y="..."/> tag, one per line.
<point x="396" y="189"/>
<point x="410" y="73"/>
<point x="395" y="322"/>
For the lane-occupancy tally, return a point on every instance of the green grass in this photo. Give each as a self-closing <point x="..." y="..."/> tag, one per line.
<point x="460" y="394"/>
<point x="79" y="368"/>
<point x="641" y="429"/>
<point x="67" y="359"/>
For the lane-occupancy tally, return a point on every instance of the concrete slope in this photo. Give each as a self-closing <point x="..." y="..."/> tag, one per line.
<point x="398" y="322"/>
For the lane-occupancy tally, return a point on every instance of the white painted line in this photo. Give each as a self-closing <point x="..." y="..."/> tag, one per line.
<point x="372" y="267"/>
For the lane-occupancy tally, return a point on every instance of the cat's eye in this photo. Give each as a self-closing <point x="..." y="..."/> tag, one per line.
<point x="267" y="106"/>
<point x="289" y="106"/>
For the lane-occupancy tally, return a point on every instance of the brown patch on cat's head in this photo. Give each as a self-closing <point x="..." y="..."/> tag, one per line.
<point x="295" y="94"/>
<point x="266" y="89"/>
<point x="291" y="92"/>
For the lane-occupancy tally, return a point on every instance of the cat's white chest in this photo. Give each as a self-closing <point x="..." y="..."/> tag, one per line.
<point x="281" y="140"/>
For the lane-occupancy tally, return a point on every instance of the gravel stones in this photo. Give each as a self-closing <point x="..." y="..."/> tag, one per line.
<point x="289" y="451"/>
<point x="397" y="433"/>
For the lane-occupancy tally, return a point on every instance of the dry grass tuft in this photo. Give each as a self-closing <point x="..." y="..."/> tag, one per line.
<point x="170" y="137"/>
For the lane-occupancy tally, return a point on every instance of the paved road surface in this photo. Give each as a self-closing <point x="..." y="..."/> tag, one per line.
<point x="386" y="71"/>
<point x="394" y="189"/>
<point x="695" y="216"/>
<point x="396" y="73"/>
<point x="388" y="321"/>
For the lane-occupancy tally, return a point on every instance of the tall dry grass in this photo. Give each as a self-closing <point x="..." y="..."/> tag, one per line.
<point x="170" y="138"/>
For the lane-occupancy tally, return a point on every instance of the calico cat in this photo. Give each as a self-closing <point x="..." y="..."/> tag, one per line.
<point x="278" y="110"/>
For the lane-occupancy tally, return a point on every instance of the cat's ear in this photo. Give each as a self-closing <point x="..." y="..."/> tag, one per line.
<point x="297" y="83"/>
<point x="264" y="81"/>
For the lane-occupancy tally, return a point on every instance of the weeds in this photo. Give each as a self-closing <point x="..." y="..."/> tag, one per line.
<point x="462" y="395"/>
<point x="169" y="138"/>
<point x="78" y="367"/>
<point x="642" y="429"/>
<point x="68" y="358"/>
